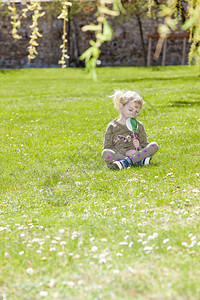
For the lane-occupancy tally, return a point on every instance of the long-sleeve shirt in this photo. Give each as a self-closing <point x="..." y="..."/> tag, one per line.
<point x="120" y="139"/>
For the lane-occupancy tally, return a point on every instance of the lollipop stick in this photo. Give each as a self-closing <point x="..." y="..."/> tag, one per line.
<point x="134" y="137"/>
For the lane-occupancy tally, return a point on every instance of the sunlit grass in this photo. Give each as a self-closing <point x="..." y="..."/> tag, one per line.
<point x="73" y="229"/>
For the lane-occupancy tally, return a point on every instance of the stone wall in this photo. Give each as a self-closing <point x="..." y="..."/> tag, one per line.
<point x="124" y="50"/>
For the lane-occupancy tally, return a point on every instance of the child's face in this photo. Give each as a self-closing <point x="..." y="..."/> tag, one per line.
<point x="130" y="109"/>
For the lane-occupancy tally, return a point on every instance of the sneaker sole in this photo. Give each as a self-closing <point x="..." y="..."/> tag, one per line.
<point x="147" y="161"/>
<point x="117" y="165"/>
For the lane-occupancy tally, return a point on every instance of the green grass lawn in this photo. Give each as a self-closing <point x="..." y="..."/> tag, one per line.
<point x="72" y="229"/>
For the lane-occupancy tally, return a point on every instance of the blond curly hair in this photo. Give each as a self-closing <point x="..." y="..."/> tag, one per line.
<point x="123" y="97"/>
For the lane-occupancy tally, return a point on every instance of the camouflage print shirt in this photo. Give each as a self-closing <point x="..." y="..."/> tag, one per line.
<point x="120" y="139"/>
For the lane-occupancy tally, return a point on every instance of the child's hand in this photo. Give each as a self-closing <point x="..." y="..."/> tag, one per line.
<point x="136" y="144"/>
<point x="130" y="152"/>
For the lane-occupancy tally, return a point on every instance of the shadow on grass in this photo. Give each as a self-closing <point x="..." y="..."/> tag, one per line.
<point x="159" y="78"/>
<point x="184" y="104"/>
<point x="9" y="71"/>
<point x="65" y="188"/>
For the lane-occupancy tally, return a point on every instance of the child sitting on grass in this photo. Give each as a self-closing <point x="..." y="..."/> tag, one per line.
<point x="125" y="142"/>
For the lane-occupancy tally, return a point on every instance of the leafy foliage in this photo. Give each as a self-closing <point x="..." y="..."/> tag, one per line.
<point x="193" y="25"/>
<point x="103" y="32"/>
<point x="34" y="6"/>
<point x="173" y="12"/>
<point x="64" y="16"/>
<point x="15" y="21"/>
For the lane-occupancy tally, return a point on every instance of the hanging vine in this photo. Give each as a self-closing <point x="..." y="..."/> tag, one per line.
<point x="64" y="16"/>
<point x="171" y="11"/>
<point x="168" y="11"/>
<point x="172" y="14"/>
<point x="193" y="25"/>
<point x="150" y="6"/>
<point x="34" y="6"/>
<point x="103" y="32"/>
<point x="15" y="21"/>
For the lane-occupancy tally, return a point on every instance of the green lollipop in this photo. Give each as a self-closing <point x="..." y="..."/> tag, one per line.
<point x="132" y="124"/>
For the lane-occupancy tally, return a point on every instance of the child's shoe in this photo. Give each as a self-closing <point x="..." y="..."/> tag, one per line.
<point x="145" y="161"/>
<point x="127" y="162"/>
<point x="123" y="164"/>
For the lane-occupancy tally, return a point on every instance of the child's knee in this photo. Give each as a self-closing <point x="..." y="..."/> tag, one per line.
<point x="155" y="146"/>
<point x="104" y="154"/>
<point x="108" y="155"/>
